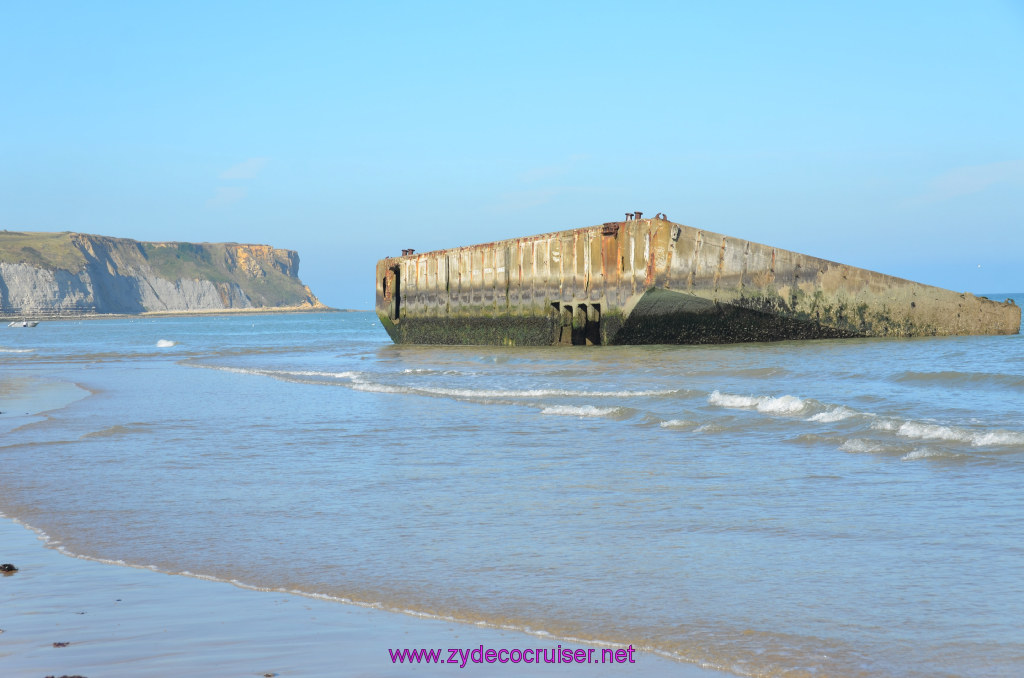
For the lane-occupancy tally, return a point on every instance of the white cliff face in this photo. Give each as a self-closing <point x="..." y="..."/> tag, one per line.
<point x="116" y="275"/>
<point x="158" y="294"/>
<point x="32" y="289"/>
<point x="29" y="289"/>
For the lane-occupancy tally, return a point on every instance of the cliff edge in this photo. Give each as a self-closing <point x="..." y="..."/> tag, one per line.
<point x="72" y="273"/>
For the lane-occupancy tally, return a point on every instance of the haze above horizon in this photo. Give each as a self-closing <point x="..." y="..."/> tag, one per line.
<point x="886" y="136"/>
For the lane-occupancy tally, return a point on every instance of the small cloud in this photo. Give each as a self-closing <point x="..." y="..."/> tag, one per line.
<point x="971" y="179"/>
<point x="227" y="195"/>
<point x="247" y="169"/>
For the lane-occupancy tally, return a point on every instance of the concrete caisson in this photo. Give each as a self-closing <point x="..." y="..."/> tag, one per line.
<point x="645" y="281"/>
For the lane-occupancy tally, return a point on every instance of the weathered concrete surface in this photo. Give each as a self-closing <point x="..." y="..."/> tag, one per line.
<point x="45" y="274"/>
<point x="645" y="281"/>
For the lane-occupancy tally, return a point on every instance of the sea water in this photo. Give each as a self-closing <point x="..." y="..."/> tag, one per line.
<point x="827" y="508"/>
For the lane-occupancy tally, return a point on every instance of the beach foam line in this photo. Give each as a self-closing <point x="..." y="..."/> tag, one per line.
<point x="360" y="382"/>
<point x="279" y="374"/>
<point x="540" y="393"/>
<point x="923" y="431"/>
<point x="4" y="349"/>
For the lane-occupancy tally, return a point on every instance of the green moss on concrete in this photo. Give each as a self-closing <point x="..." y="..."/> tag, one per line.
<point x="503" y="330"/>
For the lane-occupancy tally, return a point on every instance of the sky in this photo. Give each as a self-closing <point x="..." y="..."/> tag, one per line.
<point x="886" y="135"/>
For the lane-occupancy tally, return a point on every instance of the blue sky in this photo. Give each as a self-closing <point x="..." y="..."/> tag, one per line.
<point x="887" y="135"/>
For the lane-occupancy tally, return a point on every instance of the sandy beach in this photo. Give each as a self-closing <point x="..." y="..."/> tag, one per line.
<point x="66" y="615"/>
<point x="122" y="621"/>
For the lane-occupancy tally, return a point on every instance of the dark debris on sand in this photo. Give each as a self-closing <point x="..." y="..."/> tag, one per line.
<point x="61" y="644"/>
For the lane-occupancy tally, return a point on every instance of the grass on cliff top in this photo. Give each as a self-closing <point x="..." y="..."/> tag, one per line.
<point x="207" y="261"/>
<point x="189" y="261"/>
<point x="46" y="250"/>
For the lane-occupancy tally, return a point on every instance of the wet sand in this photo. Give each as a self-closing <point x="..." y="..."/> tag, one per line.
<point x="130" y="622"/>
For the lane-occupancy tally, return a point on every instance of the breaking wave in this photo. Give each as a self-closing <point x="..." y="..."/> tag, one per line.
<point x="360" y="382"/>
<point x="536" y="393"/>
<point x="921" y="431"/>
<point x="861" y="446"/>
<point x="786" y="404"/>
<point x="835" y="414"/>
<point x="165" y="343"/>
<point x="580" y="410"/>
<point x="928" y="454"/>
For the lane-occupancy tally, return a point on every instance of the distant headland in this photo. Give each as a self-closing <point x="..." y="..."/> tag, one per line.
<point x="73" y="274"/>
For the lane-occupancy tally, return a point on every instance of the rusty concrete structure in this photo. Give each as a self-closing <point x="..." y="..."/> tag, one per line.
<point x="644" y="281"/>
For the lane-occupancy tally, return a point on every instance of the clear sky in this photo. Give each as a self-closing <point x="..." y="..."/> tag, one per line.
<point x="887" y="135"/>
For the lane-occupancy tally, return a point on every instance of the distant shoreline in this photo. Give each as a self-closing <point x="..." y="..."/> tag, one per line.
<point x="270" y="310"/>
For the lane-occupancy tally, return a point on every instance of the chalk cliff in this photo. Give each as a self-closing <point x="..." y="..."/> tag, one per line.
<point x="67" y="273"/>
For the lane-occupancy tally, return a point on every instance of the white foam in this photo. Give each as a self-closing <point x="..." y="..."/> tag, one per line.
<point x="786" y="404"/>
<point x="165" y="343"/>
<point x="998" y="438"/>
<point x="314" y="373"/>
<point x="923" y="431"/>
<point x="860" y="446"/>
<point x="16" y="350"/>
<point x="580" y="411"/>
<point x="281" y="373"/>
<point x="922" y="453"/>
<point x="834" y="414"/>
<point x="536" y="393"/>
<point x="370" y="387"/>
<point x="677" y="423"/>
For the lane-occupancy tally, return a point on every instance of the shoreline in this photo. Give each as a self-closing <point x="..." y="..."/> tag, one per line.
<point x="270" y="310"/>
<point x="122" y="620"/>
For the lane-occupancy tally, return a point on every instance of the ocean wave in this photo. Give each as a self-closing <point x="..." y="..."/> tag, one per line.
<point x="922" y="453"/>
<point x="280" y="374"/>
<point x="861" y="446"/>
<point x="786" y="404"/>
<point x="677" y="423"/>
<point x="165" y="343"/>
<point x="537" y="393"/>
<point x="4" y="349"/>
<point x="922" y="431"/>
<point x="115" y="430"/>
<point x="951" y="378"/>
<point x="360" y="382"/>
<point x="834" y="414"/>
<point x="580" y="410"/>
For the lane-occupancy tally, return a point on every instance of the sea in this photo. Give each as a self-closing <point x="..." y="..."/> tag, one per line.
<point x="823" y="508"/>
